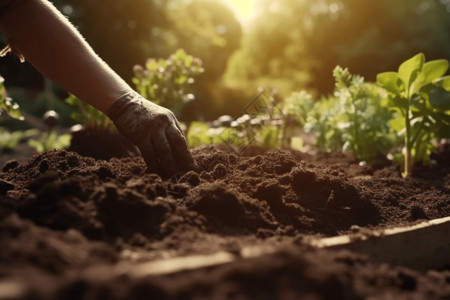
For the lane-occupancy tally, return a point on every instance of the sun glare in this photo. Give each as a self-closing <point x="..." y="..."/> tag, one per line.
<point x="244" y="9"/>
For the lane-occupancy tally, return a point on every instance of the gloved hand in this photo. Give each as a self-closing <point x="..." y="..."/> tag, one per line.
<point x="155" y="131"/>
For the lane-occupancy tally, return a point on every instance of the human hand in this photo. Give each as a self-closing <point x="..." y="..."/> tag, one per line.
<point x="155" y="131"/>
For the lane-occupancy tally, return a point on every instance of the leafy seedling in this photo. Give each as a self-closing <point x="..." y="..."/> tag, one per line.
<point x="419" y="93"/>
<point x="51" y="139"/>
<point x="9" y="140"/>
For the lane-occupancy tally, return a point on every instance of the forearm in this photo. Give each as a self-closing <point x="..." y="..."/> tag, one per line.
<point x="55" y="48"/>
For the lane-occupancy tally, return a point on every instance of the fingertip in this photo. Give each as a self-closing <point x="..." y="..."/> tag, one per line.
<point x="165" y="155"/>
<point x="183" y="155"/>
<point x="194" y="166"/>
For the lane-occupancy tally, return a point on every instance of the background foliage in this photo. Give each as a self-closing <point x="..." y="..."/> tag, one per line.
<point x="290" y="45"/>
<point x="296" y="44"/>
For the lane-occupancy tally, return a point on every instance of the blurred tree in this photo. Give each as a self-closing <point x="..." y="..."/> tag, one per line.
<point x="126" y="33"/>
<point x="375" y="36"/>
<point x="295" y="44"/>
<point x="209" y="30"/>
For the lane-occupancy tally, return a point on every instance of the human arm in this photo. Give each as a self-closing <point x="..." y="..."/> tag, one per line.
<point x="36" y="29"/>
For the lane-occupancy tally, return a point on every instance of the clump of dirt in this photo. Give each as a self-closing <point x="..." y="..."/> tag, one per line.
<point x="61" y="212"/>
<point x="98" y="140"/>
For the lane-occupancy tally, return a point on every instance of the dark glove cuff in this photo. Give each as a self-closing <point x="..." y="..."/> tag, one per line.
<point x="121" y="104"/>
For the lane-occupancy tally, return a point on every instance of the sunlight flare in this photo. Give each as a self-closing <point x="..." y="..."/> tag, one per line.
<point x="244" y="10"/>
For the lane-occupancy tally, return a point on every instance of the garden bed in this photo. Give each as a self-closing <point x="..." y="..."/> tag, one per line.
<point x="76" y="227"/>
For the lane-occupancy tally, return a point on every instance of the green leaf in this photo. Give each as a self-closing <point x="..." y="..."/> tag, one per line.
<point x="342" y="77"/>
<point x="297" y="143"/>
<point x="63" y="141"/>
<point x="443" y="125"/>
<point x="409" y="69"/>
<point x="443" y="82"/>
<point x="431" y="70"/>
<point x="167" y="81"/>
<point x="188" y="61"/>
<point x="400" y="102"/>
<point x="151" y="64"/>
<point x="398" y="124"/>
<point x="49" y="141"/>
<point x="440" y="98"/>
<point x="389" y="81"/>
<point x="10" y="107"/>
<point x="197" y="134"/>
<point x="180" y="80"/>
<point x="269" y="137"/>
<point x="37" y="145"/>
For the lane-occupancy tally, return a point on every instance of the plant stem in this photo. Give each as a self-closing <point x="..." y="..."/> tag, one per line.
<point x="355" y="125"/>
<point x="414" y="139"/>
<point x="408" y="145"/>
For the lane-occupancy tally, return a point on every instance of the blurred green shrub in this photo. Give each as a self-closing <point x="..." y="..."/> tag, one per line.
<point x="88" y="115"/>
<point x="354" y="119"/>
<point x="9" y="140"/>
<point x="200" y="133"/>
<point x="7" y="104"/>
<point x="295" y="44"/>
<point x="296" y="109"/>
<point x="49" y="141"/>
<point x="167" y="82"/>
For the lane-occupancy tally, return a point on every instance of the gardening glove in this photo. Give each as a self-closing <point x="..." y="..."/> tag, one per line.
<point x="155" y="131"/>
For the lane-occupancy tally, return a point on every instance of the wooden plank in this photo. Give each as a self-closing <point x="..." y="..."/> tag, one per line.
<point x="178" y="264"/>
<point x="422" y="246"/>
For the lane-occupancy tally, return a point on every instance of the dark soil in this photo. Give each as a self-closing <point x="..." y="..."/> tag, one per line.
<point x="75" y="227"/>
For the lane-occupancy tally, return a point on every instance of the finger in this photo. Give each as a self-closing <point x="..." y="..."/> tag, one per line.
<point x="181" y="151"/>
<point x="165" y="155"/>
<point x="179" y="128"/>
<point x="149" y="154"/>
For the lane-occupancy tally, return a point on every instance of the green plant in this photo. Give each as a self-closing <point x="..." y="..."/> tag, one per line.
<point x="245" y="131"/>
<point x="49" y="141"/>
<point x="420" y="96"/>
<point x="323" y="122"/>
<point x="354" y="119"/>
<point x="268" y="137"/>
<point x="7" y="104"/>
<point x="164" y="82"/>
<point x="365" y="129"/>
<point x="88" y="115"/>
<point x="9" y="140"/>
<point x="201" y="133"/>
<point x="298" y="105"/>
<point x="295" y="111"/>
<point x="167" y="82"/>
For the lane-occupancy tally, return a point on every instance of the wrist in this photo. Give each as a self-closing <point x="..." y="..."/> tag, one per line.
<point x="121" y="104"/>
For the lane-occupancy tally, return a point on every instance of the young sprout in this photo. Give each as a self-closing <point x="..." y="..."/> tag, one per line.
<point x="420" y="92"/>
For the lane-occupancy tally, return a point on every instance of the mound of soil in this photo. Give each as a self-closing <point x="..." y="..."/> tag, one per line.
<point x="75" y="227"/>
<point x="92" y="141"/>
